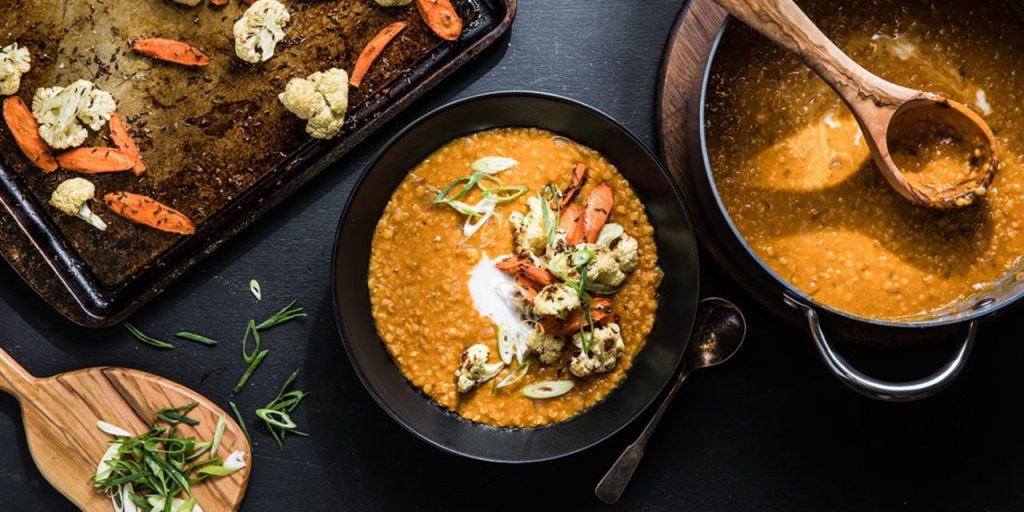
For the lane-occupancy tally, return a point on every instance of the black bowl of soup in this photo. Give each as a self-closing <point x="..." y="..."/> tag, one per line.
<point x="790" y="199"/>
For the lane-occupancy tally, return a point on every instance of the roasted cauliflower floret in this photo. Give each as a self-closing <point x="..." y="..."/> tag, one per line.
<point x="611" y="264"/>
<point x="548" y="348"/>
<point x="61" y="111"/>
<point x="321" y="99"/>
<point x="530" y="236"/>
<point x="393" y="3"/>
<point x="259" y="30"/>
<point x="72" y="197"/>
<point x="473" y="369"/>
<point x="14" y="62"/>
<point x="556" y="299"/>
<point x="626" y="251"/>
<point x="606" y="347"/>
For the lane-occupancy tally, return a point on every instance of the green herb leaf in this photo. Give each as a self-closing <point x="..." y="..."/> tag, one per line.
<point x="148" y="340"/>
<point x="199" y="338"/>
<point x="254" y="288"/>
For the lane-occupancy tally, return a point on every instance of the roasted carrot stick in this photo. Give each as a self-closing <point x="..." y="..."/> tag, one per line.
<point x="599" y="207"/>
<point x="219" y="2"/>
<point x="579" y="176"/>
<point x="171" y="51"/>
<point x="149" y="212"/>
<point x="515" y="266"/>
<point x="124" y="141"/>
<point x="600" y="311"/>
<point x="572" y="223"/>
<point x="95" y="160"/>
<point x="441" y="17"/>
<point x="373" y="50"/>
<point x="25" y="130"/>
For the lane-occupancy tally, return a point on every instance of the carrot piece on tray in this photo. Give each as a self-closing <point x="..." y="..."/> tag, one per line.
<point x="219" y="2"/>
<point x="25" y="130"/>
<point x="96" y="160"/>
<point x="373" y="50"/>
<point x="171" y="51"/>
<point x="149" y="212"/>
<point x="124" y="141"/>
<point x="441" y="17"/>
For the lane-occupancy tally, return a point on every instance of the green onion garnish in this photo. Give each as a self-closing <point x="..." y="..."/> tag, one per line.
<point x="289" y="312"/>
<point x="514" y="376"/>
<point x="199" y="338"/>
<point x="256" y="361"/>
<point x="276" y="413"/>
<point x="504" y="193"/>
<point x="547" y="196"/>
<point x="254" y="288"/>
<point x="178" y="415"/>
<point x="548" y="388"/>
<point x="241" y="422"/>
<point x="145" y="338"/>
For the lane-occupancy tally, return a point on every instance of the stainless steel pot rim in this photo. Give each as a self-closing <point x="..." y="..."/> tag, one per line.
<point x="982" y="307"/>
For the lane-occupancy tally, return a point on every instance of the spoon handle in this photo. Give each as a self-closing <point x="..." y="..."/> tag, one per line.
<point x="614" y="482"/>
<point x="783" y="22"/>
<point x="13" y="378"/>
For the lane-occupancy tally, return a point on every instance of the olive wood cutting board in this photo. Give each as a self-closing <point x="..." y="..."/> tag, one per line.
<point x="60" y="415"/>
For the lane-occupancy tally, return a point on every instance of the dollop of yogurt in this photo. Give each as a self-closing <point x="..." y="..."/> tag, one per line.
<point x="494" y="296"/>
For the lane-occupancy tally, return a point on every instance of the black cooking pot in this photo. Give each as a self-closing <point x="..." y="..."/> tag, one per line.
<point x="725" y="241"/>
<point x="652" y="368"/>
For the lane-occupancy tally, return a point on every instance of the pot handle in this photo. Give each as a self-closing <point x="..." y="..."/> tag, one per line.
<point x="879" y="389"/>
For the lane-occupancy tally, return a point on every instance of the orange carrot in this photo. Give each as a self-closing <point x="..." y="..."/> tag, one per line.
<point x="441" y="17"/>
<point x="25" y="130"/>
<point x="95" y="160"/>
<point x="219" y="2"/>
<point x="149" y="212"/>
<point x="600" y="312"/>
<point x="373" y="50"/>
<point x="171" y="51"/>
<point x="579" y="175"/>
<point x="572" y="223"/>
<point x="124" y="141"/>
<point x="595" y="214"/>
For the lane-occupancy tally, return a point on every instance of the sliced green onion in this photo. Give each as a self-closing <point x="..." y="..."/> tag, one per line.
<point x="145" y="338"/>
<point x="486" y="208"/>
<point x="581" y="257"/>
<point x="548" y="389"/>
<point x="279" y="419"/>
<point x="177" y="415"/>
<point x="493" y="164"/>
<point x="504" y="194"/>
<point x="287" y="313"/>
<point x="241" y="422"/>
<point x="252" y="368"/>
<point x="199" y="338"/>
<point x="442" y="195"/>
<point x="218" y="434"/>
<point x="514" y="376"/>
<point x="254" y="288"/>
<point x="506" y="351"/>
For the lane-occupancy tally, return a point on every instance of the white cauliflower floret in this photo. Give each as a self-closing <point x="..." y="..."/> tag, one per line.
<point x="530" y="235"/>
<point x="61" y="111"/>
<point x="548" y="348"/>
<point x="606" y="347"/>
<point x="393" y="3"/>
<point x="321" y="99"/>
<point x="72" y="197"/>
<point x="556" y="299"/>
<point x="14" y="62"/>
<point x="473" y="369"/>
<point x="259" y="30"/>
<point x="611" y="265"/>
<point x="626" y="252"/>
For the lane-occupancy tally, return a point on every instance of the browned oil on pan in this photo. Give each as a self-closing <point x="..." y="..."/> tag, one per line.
<point x="217" y="143"/>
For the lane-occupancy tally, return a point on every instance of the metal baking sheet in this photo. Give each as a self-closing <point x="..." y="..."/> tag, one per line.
<point x="217" y="143"/>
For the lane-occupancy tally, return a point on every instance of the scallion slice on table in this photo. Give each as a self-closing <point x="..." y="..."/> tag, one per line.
<point x="198" y="338"/>
<point x="254" y="288"/>
<point x="276" y="414"/>
<point x="145" y="338"/>
<point x="548" y="389"/>
<point x="287" y="313"/>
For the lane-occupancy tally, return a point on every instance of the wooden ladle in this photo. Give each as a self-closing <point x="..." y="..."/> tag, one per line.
<point x="60" y="415"/>
<point x="877" y="103"/>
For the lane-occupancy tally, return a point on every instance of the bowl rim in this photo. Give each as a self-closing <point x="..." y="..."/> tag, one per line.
<point x="685" y="220"/>
<point x="982" y="307"/>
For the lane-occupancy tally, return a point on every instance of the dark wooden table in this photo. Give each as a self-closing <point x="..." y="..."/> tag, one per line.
<point x="770" y="431"/>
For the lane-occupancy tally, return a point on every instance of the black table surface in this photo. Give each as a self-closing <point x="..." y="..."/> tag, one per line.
<point x="772" y="430"/>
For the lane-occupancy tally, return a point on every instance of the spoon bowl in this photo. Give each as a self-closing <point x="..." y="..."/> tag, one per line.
<point x="60" y="414"/>
<point x="880" y="105"/>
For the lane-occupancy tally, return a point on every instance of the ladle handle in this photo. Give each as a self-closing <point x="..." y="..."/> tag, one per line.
<point x="783" y="22"/>
<point x="882" y="390"/>
<point x="13" y="378"/>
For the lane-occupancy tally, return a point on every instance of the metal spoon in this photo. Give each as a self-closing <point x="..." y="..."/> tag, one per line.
<point x="877" y="104"/>
<point x="719" y="334"/>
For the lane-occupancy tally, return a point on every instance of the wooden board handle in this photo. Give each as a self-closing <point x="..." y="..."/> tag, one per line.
<point x="13" y="378"/>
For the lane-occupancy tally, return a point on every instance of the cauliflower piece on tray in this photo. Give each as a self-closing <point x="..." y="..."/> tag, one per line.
<point x="393" y="3"/>
<point x="321" y="99"/>
<point x="259" y="30"/>
<point x="473" y="369"/>
<point x="14" y="62"/>
<point x="530" y="236"/>
<point x="548" y="348"/>
<point x="606" y="347"/>
<point x="72" y="197"/>
<point x="61" y="111"/>
<point x="556" y="299"/>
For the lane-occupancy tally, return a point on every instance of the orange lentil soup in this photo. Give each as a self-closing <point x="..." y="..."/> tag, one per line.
<point x="421" y="262"/>
<point x="797" y="179"/>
